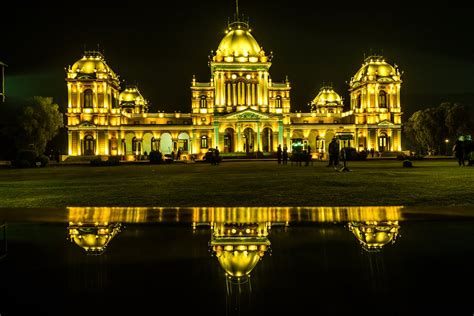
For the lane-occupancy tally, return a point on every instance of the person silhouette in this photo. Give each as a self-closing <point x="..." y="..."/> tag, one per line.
<point x="279" y="152"/>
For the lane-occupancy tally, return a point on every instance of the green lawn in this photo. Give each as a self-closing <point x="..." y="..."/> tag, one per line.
<point x="430" y="183"/>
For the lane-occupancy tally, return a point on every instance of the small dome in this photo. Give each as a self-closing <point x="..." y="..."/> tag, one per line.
<point x="239" y="260"/>
<point x="92" y="63"/>
<point x="327" y="97"/>
<point x="93" y="238"/>
<point x="131" y="96"/>
<point x="373" y="236"/>
<point x="375" y="67"/>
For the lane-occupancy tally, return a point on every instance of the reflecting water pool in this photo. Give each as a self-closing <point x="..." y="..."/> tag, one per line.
<point x="236" y="261"/>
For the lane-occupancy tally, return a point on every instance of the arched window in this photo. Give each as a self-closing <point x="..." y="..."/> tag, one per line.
<point x="204" y="142"/>
<point x="88" y="98"/>
<point x="278" y="102"/>
<point x="382" y="99"/>
<point x="134" y="144"/>
<point x="89" y="145"/>
<point x="203" y="102"/>
<point x="359" y="101"/>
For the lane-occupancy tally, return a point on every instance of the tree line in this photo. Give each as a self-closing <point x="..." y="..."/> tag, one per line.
<point x="28" y="125"/>
<point x="431" y="130"/>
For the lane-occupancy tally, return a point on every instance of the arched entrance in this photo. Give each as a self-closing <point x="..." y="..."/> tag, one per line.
<point x="267" y="139"/>
<point x="89" y="145"/>
<point x="147" y="143"/>
<point x="128" y="150"/>
<point x="183" y="142"/>
<point x="248" y="140"/>
<point x="383" y="142"/>
<point x="166" y="143"/>
<point x="155" y="144"/>
<point x="229" y="140"/>
<point x="113" y="146"/>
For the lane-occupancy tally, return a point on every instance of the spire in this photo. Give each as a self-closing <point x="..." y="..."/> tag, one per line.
<point x="237" y="8"/>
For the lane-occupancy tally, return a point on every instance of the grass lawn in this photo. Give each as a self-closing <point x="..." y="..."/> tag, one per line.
<point x="429" y="183"/>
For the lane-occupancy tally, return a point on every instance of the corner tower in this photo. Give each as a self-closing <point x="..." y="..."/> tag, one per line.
<point x="93" y="94"/>
<point x="375" y="103"/>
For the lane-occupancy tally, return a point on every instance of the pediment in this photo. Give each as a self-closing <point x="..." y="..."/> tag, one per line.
<point x="386" y="124"/>
<point x="247" y="114"/>
<point x="86" y="124"/>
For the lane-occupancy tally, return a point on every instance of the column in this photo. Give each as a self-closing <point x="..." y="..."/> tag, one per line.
<point x="96" y="143"/>
<point x="216" y="134"/>
<point x="78" y="95"/>
<point x="239" y="138"/>
<point x="265" y="89"/>
<point x="249" y="95"/>
<point x="69" y="98"/>
<point x="229" y="94"/>
<point x="280" y="133"/>
<point x="107" y="143"/>
<point x="253" y="94"/>
<point x="259" y="141"/>
<point x="69" y="143"/>
<point x="234" y="94"/>
<point x="79" y="143"/>
<point x="288" y="139"/>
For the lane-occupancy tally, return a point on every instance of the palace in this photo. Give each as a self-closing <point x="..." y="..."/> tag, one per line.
<point x="240" y="110"/>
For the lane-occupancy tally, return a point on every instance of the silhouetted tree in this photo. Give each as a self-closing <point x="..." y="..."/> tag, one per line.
<point x="429" y="128"/>
<point x="29" y="124"/>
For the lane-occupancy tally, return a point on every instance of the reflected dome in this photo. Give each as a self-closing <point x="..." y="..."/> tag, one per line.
<point x="239" y="260"/>
<point x="93" y="238"/>
<point x="372" y="235"/>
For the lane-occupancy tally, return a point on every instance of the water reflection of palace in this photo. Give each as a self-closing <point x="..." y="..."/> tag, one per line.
<point x="239" y="235"/>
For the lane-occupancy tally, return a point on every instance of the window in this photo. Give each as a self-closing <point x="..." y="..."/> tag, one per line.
<point x="169" y="122"/>
<point x="359" y="101"/>
<point x="204" y="142"/>
<point x="186" y="122"/>
<point x="203" y="102"/>
<point x="88" y="98"/>
<point x="136" y="122"/>
<point x="278" y="102"/>
<point x="153" y="122"/>
<point x="305" y="122"/>
<point x="382" y="99"/>
<point x="203" y="119"/>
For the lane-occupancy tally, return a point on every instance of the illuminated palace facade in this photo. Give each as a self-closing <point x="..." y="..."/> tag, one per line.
<point x="241" y="109"/>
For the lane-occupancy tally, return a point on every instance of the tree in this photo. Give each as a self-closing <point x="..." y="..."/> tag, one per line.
<point x="39" y="121"/>
<point x="429" y="128"/>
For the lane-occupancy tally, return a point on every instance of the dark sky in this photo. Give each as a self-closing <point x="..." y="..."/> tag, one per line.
<point x="160" y="49"/>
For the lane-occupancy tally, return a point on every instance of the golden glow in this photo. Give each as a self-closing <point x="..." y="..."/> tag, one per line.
<point x="238" y="43"/>
<point x="374" y="67"/>
<point x="94" y="237"/>
<point x="374" y="235"/>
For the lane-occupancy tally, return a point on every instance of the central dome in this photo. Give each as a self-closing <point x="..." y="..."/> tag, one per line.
<point x="239" y="43"/>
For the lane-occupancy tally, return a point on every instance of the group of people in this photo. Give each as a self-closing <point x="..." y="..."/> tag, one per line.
<point x="213" y="156"/>
<point x="299" y="156"/>
<point x="464" y="150"/>
<point x="282" y="155"/>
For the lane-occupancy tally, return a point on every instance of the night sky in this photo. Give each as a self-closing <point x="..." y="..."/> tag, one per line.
<point x="161" y="49"/>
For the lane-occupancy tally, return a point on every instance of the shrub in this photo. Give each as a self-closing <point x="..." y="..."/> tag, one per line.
<point x="22" y="163"/>
<point x="96" y="162"/>
<point x="156" y="157"/>
<point x="407" y="163"/>
<point x="28" y="155"/>
<point x="353" y="154"/>
<point x="113" y="161"/>
<point x="44" y="160"/>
